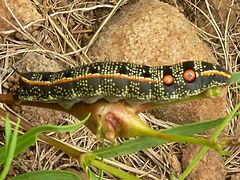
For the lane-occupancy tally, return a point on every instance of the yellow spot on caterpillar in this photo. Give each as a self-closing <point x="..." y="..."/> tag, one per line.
<point x="213" y="72"/>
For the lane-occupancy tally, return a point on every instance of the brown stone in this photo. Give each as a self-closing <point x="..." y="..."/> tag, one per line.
<point x="211" y="166"/>
<point x="155" y="33"/>
<point x="24" y="11"/>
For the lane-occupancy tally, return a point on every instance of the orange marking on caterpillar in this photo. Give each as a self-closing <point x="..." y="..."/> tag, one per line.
<point x="189" y="75"/>
<point x="89" y="76"/>
<point x="213" y="72"/>
<point x="168" y="80"/>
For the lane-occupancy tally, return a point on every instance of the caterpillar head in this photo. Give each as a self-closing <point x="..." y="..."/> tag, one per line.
<point x="191" y="78"/>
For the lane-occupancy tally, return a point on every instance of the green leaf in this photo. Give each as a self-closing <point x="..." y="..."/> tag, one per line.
<point x="8" y="131"/>
<point x="91" y="174"/>
<point x="235" y="78"/>
<point x="47" y="175"/>
<point x="10" y="146"/>
<point x="142" y="143"/>
<point x="29" y="138"/>
<point x="113" y="171"/>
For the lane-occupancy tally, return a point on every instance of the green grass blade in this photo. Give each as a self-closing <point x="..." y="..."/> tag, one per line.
<point x="235" y="78"/>
<point x="204" y="149"/>
<point x="47" y="175"/>
<point x="8" y="131"/>
<point x="141" y="143"/>
<point x="10" y="148"/>
<point x="29" y="138"/>
<point x="193" y="128"/>
<point x="91" y="174"/>
<point x="112" y="170"/>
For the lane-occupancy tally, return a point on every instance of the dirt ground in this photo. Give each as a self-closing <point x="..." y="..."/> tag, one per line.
<point x="54" y="35"/>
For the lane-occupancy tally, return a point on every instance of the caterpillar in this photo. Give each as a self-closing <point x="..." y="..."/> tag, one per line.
<point x="114" y="81"/>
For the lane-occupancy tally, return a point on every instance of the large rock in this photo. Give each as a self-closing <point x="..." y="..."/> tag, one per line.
<point x="23" y="10"/>
<point x="211" y="165"/>
<point x="154" y="33"/>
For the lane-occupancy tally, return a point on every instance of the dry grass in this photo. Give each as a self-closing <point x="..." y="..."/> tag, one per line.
<point x="65" y="34"/>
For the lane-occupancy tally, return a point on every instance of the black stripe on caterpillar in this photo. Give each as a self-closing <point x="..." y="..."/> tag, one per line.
<point x="119" y="80"/>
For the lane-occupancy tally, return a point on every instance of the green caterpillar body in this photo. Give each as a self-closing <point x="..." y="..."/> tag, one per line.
<point x="119" y="80"/>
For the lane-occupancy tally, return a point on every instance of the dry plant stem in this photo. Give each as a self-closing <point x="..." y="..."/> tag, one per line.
<point x="84" y="9"/>
<point x="65" y="39"/>
<point x="19" y="29"/>
<point x="120" y="2"/>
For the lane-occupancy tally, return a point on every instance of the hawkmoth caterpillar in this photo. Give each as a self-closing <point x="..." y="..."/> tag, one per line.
<point x="120" y="80"/>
